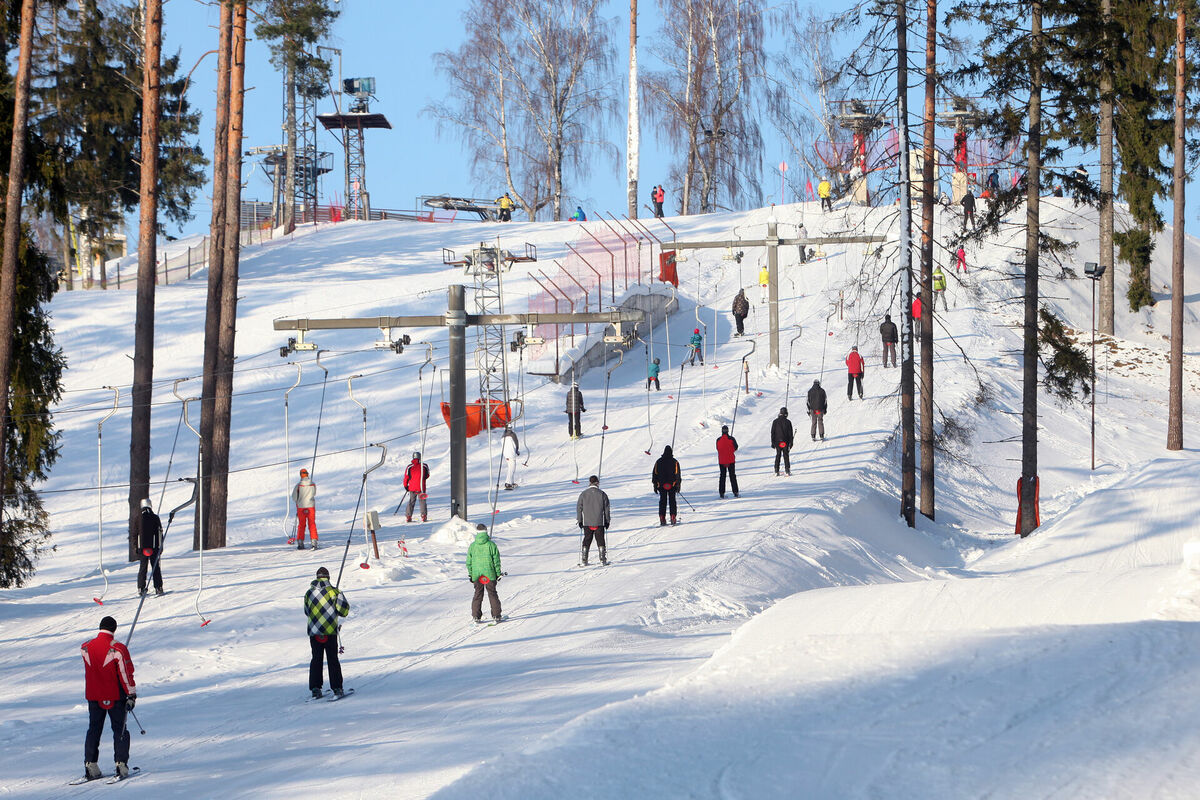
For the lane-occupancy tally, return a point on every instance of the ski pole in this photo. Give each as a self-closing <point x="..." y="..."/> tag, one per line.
<point x="403" y="497"/>
<point x="141" y="730"/>
<point x="684" y="499"/>
<point x="158" y="555"/>
<point x="357" y="503"/>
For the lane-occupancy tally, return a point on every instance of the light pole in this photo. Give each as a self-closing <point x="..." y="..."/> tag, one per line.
<point x="1094" y="272"/>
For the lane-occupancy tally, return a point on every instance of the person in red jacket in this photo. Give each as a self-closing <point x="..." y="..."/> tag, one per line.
<point x="415" y="478"/>
<point x="110" y="692"/>
<point x="726" y="447"/>
<point x="854" y="373"/>
<point x="916" y="313"/>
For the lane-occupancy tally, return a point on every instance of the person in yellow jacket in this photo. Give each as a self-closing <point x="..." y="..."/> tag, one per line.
<point x="825" y="192"/>
<point x="939" y="288"/>
<point x="506" y="207"/>
<point x="764" y="285"/>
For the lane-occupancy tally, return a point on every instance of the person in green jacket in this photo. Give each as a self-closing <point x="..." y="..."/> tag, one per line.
<point x="696" y="345"/>
<point x="483" y="568"/>
<point x="652" y="376"/>
<point x="939" y="288"/>
<point x="323" y="604"/>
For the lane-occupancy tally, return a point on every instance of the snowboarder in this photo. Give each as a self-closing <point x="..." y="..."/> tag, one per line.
<point x="781" y="440"/>
<point x="824" y="191"/>
<point x="506" y="207"/>
<point x="696" y="344"/>
<point x="666" y="479"/>
<point x="652" y="375"/>
<point x="968" y="204"/>
<point x="741" y="309"/>
<point x="574" y="409"/>
<point x="817" y="406"/>
<point x="110" y="692"/>
<point x="593" y="517"/>
<point x="416" y="476"/>
<point x="890" y="335"/>
<point x="764" y="284"/>
<point x="510" y="449"/>
<point x="305" y="498"/>
<point x="323" y="604"/>
<point x="726" y="447"/>
<point x="960" y="262"/>
<point x="939" y="288"/>
<point x="579" y="216"/>
<point x="150" y="548"/>
<point x="657" y="195"/>
<point x="483" y="568"/>
<point x="802" y="233"/>
<point x="854" y="373"/>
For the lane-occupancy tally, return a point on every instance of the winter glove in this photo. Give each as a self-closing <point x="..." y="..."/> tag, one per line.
<point x="130" y="702"/>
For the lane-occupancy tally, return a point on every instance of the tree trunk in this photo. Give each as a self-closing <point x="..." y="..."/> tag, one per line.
<point x="143" y="330"/>
<point x="1106" y="320"/>
<point x="289" y="179"/>
<point x="1175" y="400"/>
<point x="929" y="159"/>
<point x="633" y="134"/>
<point x="12" y="223"/>
<point x="216" y="260"/>
<point x="907" y="466"/>
<point x="223" y="401"/>
<point x="1029" y="411"/>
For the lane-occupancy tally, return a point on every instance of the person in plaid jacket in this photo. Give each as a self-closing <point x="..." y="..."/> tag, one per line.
<point x="323" y="604"/>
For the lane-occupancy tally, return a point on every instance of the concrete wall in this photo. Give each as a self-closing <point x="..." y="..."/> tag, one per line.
<point x="655" y="306"/>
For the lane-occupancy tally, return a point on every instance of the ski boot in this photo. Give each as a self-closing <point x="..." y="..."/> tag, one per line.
<point x="339" y="693"/>
<point x="673" y="520"/>
<point x="316" y="693"/>
<point x="662" y="519"/>
<point x="300" y="545"/>
<point x="408" y="518"/>
<point x="122" y="770"/>
<point x="604" y="556"/>
<point x="424" y="518"/>
<point x="91" y="770"/>
<point x="314" y="544"/>
<point x="159" y="592"/>
<point x="583" y="556"/>
<point x="142" y="591"/>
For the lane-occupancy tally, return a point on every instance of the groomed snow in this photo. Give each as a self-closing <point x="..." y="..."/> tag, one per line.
<point x="798" y="641"/>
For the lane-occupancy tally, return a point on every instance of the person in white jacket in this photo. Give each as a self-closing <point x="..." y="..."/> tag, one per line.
<point x="511" y="450"/>
<point x="305" y="498"/>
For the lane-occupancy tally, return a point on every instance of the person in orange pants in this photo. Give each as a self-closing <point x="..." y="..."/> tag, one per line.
<point x="305" y="498"/>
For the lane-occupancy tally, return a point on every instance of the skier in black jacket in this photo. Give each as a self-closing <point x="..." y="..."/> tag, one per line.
<point x="741" y="309"/>
<point x="666" y="478"/>
<point x="781" y="440"/>
<point x="890" y="335"/>
<point x="574" y="409"/>
<point x="150" y="548"/>
<point x="817" y="406"/>
<point x="968" y="204"/>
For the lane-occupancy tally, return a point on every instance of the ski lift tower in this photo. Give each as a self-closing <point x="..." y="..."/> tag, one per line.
<point x="353" y="124"/>
<point x="861" y="120"/>
<point x="486" y="264"/>
<point x="311" y="163"/>
<point x="961" y="113"/>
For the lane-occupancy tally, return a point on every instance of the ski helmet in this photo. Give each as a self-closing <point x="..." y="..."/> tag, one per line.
<point x="145" y="502"/>
<point x="416" y="456"/>
<point x="724" y="429"/>
<point x="108" y="624"/>
<point x="854" y="347"/>
<point x="783" y="411"/>
<point x="656" y="361"/>
<point x="303" y="473"/>
<point x="322" y="572"/>
<point x="697" y="330"/>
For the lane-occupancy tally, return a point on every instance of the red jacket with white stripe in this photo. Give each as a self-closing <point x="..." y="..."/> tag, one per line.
<point x="107" y="670"/>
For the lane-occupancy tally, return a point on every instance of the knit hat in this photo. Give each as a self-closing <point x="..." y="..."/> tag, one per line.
<point x="724" y="429"/>
<point x="783" y="411"/>
<point x="594" y="480"/>
<point x="108" y="624"/>
<point x="854" y="347"/>
<point x="322" y="572"/>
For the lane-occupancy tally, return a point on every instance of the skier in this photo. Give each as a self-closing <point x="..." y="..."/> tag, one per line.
<point x="323" y="604"/>
<point x="666" y="479"/>
<point x="579" y="216"/>
<point x="593" y="517"/>
<point x="890" y="336"/>
<point x="506" y="207"/>
<point x="416" y="476"/>
<point x="510" y="449"/>
<point x="110" y="692"/>
<point x="824" y="190"/>
<point x="802" y="233"/>
<point x="781" y="440"/>
<point x="960" y="262"/>
<point x="150" y="548"/>
<point x="916" y="313"/>
<point x="652" y="376"/>
<point x="741" y="308"/>
<point x="483" y="568"/>
<point x="968" y="204"/>
<point x="854" y="373"/>
<point x="939" y="288"/>
<point x="764" y="284"/>
<point x="726" y="447"/>
<point x="993" y="182"/>
<point x="696" y="343"/>
<point x="657" y="195"/>
<point x="305" y="498"/>
<point x="817" y="406"/>
<point x="574" y="409"/>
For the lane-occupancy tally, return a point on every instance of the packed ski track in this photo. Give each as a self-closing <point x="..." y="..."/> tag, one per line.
<point x="798" y="640"/>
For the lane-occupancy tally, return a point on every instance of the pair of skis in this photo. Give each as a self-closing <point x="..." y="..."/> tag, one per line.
<point x="329" y="697"/>
<point x="133" y="773"/>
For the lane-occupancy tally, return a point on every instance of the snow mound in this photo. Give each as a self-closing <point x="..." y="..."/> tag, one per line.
<point x="456" y="531"/>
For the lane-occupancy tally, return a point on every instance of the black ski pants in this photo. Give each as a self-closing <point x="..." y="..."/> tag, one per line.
<point x="853" y="381"/>
<point x="727" y="468"/>
<point x="116" y="719"/>
<point x="477" y="600"/>
<point x="667" y="498"/>
<point x="590" y="533"/>
<point x="324" y="650"/>
<point x="827" y="204"/>
<point x="654" y="382"/>
<point x="573" y="424"/>
<point x="149" y="562"/>
<point x="741" y="324"/>
<point x="787" y="459"/>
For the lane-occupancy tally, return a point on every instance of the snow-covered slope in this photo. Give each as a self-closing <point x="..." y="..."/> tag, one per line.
<point x="947" y="661"/>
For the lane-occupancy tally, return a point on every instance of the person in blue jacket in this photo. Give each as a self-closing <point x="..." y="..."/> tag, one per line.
<point x="579" y="216"/>
<point x="696" y="343"/>
<point x="652" y="376"/>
